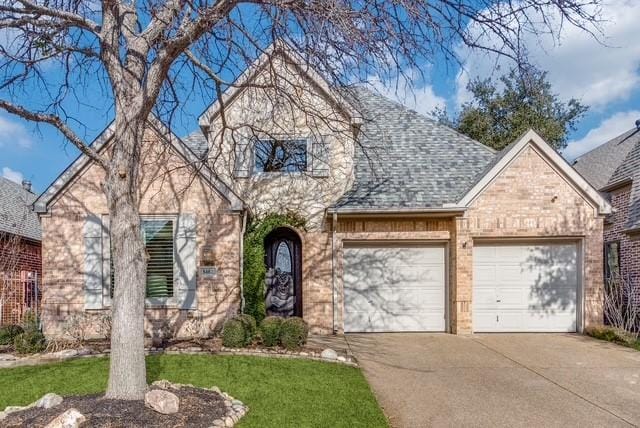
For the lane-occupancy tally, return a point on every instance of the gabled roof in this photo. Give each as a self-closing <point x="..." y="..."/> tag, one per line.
<point x="599" y="165"/>
<point x="620" y="158"/>
<point x="16" y="214"/>
<point x="41" y="205"/>
<point x="282" y="50"/>
<point x="406" y="161"/>
<point x="509" y="153"/>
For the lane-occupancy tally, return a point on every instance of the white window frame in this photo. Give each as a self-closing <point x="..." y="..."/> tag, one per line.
<point x="150" y="302"/>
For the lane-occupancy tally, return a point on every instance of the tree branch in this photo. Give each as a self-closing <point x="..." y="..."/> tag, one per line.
<point x="59" y="124"/>
<point x="68" y="17"/>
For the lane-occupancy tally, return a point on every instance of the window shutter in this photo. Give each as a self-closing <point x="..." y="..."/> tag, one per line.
<point x="185" y="282"/>
<point x="320" y="157"/>
<point x="106" y="262"/>
<point x="243" y="158"/>
<point x="92" y="262"/>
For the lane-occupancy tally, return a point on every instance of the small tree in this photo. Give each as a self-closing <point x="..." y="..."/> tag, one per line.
<point x="622" y="306"/>
<point x="502" y="111"/>
<point x="152" y="55"/>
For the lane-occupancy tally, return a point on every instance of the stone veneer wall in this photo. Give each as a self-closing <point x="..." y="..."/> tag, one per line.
<point x="167" y="187"/>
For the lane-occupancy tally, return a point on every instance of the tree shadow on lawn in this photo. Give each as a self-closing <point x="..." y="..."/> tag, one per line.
<point x="279" y="392"/>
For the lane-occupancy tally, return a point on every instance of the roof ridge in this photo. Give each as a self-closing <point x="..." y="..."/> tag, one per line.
<point x="617" y="139"/>
<point x="429" y="119"/>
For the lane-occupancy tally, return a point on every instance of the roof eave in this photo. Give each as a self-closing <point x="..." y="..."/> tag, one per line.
<point x="531" y="137"/>
<point x="445" y="211"/>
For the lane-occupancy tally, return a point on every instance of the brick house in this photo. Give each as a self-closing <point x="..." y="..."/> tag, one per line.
<point x="20" y="251"/>
<point x="614" y="169"/>
<point x="410" y="226"/>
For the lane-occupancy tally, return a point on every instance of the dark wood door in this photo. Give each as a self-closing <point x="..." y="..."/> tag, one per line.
<point x="284" y="273"/>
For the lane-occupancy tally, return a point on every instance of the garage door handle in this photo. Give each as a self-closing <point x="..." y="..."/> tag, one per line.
<point x="498" y="301"/>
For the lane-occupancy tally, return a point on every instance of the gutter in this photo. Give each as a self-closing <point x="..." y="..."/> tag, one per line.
<point x="242" y="231"/>
<point x="334" y="223"/>
<point x="435" y="212"/>
<point x="616" y="185"/>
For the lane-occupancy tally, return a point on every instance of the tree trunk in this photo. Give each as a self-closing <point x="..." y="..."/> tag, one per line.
<point x="127" y="372"/>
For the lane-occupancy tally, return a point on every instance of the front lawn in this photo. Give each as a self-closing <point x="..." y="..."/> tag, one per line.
<point x="279" y="392"/>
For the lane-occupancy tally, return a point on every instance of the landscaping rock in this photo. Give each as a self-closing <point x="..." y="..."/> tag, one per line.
<point x="49" y="400"/>
<point x="329" y="354"/>
<point x="72" y="418"/>
<point x="67" y="353"/>
<point x="161" y="401"/>
<point x="8" y="357"/>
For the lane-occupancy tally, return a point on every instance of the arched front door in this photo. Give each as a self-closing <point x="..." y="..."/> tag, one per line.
<point x="284" y="273"/>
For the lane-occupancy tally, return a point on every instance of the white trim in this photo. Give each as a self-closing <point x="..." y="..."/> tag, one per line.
<point x="277" y="48"/>
<point x="532" y="138"/>
<point x="41" y="205"/>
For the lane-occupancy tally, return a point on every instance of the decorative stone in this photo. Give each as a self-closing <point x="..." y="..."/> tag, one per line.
<point x="8" y="357"/>
<point x="342" y="359"/>
<point x="67" y="353"/>
<point x="215" y="389"/>
<point x="72" y="418"/>
<point x="161" y="401"/>
<point x="329" y="354"/>
<point x="49" y="400"/>
<point x="163" y="384"/>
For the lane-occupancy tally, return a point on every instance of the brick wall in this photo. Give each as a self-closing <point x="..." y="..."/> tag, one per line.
<point x="20" y="265"/>
<point x="615" y="231"/>
<point x="167" y="187"/>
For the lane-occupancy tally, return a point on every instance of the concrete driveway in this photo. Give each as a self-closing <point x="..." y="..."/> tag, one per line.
<point x="494" y="380"/>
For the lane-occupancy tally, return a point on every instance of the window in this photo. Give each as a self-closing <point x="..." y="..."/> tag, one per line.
<point x="281" y="155"/>
<point x="611" y="259"/>
<point x="158" y="240"/>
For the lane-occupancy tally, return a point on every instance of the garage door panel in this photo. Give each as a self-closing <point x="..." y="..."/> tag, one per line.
<point x="394" y="288"/>
<point x="394" y="299"/>
<point x="535" y="287"/>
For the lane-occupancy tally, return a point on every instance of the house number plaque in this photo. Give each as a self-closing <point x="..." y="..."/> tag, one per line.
<point x="208" y="272"/>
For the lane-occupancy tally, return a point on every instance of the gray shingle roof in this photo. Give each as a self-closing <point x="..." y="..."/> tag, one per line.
<point x="197" y="142"/>
<point x="405" y="160"/>
<point x="618" y="160"/>
<point x="16" y="214"/>
<point x="599" y="165"/>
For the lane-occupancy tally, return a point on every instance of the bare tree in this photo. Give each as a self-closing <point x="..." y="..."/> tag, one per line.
<point x="146" y="52"/>
<point x="622" y="306"/>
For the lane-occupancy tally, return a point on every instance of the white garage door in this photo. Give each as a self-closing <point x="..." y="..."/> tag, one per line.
<point x="394" y="288"/>
<point x="528" y="288"/>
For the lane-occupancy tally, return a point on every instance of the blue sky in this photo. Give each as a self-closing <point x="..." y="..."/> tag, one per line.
<point x="605" y="76"/>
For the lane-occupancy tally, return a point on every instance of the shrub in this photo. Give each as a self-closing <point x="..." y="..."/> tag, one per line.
<point x="30" y="322"/>
<point x="8" y="333"/>
<point x="250" y="326"/>
<point x="270" y="331"/>
<point x="29" y="342"/>
<point x="234" y="334"/>
<point x="293" y="333"/>
<point x="253" y="264"/>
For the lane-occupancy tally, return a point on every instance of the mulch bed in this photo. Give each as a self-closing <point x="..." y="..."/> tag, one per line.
<point x="198" y="408"/>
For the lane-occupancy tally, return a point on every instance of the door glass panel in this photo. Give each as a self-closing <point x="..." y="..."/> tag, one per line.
<point x="283" y="258"/>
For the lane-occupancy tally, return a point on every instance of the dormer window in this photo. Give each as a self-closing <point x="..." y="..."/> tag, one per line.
<point x="280" y="155"/>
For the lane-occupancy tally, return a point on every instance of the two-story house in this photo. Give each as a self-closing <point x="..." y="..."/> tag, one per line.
<point x="410" y="226"/>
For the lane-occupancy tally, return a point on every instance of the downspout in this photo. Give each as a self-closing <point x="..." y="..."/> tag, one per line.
<point x="242" y="230"/>
<point x="334" y="223"/>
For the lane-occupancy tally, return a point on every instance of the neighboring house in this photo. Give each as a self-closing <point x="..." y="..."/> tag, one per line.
<point x="20" y="258"/>
<point x="614" y="169"/>
<point x="410" y="226"/>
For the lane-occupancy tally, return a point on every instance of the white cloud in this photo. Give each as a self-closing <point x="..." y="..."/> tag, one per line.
<point x="578" y="65"/>
<point x="608" y="129"/>
<point x="13" y="134"/>
<point x="421" y="98"/>
<point x="9" y="174"/>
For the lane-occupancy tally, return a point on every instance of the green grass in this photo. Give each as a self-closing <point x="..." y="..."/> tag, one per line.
<point x="279" y="392"/>
<point x="610" y="334"/>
